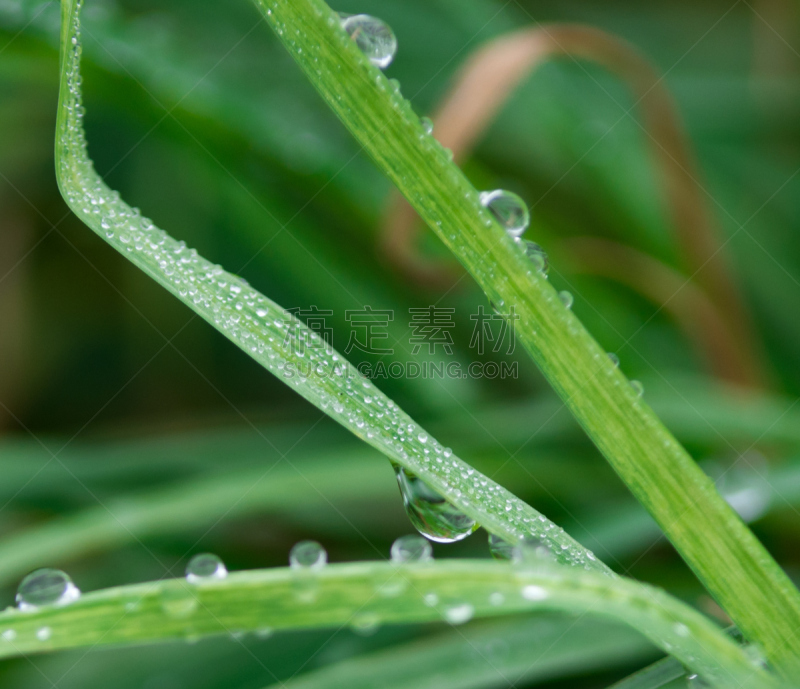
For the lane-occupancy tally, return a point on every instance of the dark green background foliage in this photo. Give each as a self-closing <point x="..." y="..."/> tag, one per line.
<point x="109" y="388"/>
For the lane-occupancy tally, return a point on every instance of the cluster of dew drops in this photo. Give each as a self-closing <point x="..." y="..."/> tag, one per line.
<point x="259" y="326"/>
<point x="54" y="588"/>
<point x="245" y="309"/>
<point x="307" y="559"/>
<point x="263" y="329"/>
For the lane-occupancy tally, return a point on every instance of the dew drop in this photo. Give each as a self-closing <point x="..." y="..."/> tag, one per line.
<point x="205" y="567"/>
<point x="46" y="587"/>
<point x="496" y="598"/>
<point x="538" y="257"/>
<point x="427" y="124"/>
<point x="365" y="623"/>
<point x="533" y="592"/>
<point x="432" y="515"/>
<point x="531" y="551"/>
<point x="411" y="549"/>
<point x="8" y="635"/>
<point x="508" y="209"/>
<point x="746" y="486"/>
<point x="372" y="36"/>
<point x="614" y="359"/>
<point x="44" y="633"/>
<point x="431" y="600"/>
<point x="500" y="548"/>
<point x="566" y="298"/>
<point x="681" y="629"/>
<point x="308" y="555"/>
<point x="637" y="387"/>
<point x="459" y="614"/>
<point x="178" y="600"/>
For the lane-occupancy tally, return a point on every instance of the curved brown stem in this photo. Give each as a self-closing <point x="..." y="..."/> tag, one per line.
<point x="484" y="85"/>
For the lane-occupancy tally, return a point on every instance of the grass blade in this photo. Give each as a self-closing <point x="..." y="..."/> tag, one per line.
<point x="495" y="654"/>
<point x="716" y="544"/>
<point x="340" y="595"/>
<point x="655" y="676"/>
<point x="190" y="504"/>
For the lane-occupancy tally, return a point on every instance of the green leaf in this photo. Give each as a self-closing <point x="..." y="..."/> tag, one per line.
<point x="189" y="504"/>
<point x="364" y="594"/>
<point x="275" y="338"/>
<point x="719" y="548"/>
<point x="653" y="677"/>
<point x="494" y="654"/>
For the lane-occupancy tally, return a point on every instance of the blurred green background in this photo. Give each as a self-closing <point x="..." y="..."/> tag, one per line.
<point x="115" y="400"/>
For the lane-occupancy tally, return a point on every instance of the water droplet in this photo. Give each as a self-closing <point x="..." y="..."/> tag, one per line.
<point x="531" y="551"/>
<point x="566" y="299"/>
<point x="427" y="124"/>
<point x="614" y="359"/>
<point x="372" y="36"/>
<point x="681" y="629"/>
<point x="496" y="598"/>
<point x="46" y="587"/>
<point x="430" y="513"/>
<point x="500" y="548"/>
<point x="308" y="555"/>
<point x="637" y="387"/>
<point x="509" y="210"/>
<point x="411" y="549"/>
<point x="756" y="655"/>
<point x="44" y="633"/>
<point x="538" y="257"/>
<point x="533" y="592"/>
<point x="178" y="600"/>
<point x="459" y="613"/>
<point x="746" y="486"/>
<point x="205" y="567"/>
<point x="365" y="623"/>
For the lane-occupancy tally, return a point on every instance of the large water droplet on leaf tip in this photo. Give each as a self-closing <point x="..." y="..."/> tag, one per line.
<point x="430" y="513"/>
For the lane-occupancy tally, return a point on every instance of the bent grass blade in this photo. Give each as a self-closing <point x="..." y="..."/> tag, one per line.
<point x="275" y="338"/>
